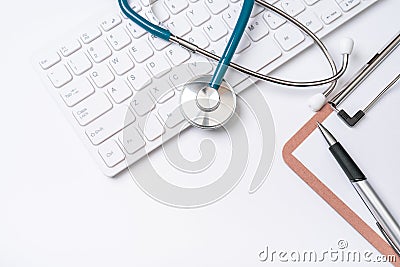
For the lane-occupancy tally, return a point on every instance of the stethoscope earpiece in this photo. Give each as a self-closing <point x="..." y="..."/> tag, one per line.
<point x="346" y="46"/>
<point x="316" y="102"/>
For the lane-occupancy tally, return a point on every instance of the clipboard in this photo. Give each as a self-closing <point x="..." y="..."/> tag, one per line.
<point x="301" y="150"/>
<point x="324" y="191"/>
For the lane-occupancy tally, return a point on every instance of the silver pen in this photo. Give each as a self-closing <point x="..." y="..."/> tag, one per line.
<point x="385" y="221"/>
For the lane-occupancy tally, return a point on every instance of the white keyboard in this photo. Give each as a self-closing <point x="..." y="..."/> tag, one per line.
<point x="97" y="74"/>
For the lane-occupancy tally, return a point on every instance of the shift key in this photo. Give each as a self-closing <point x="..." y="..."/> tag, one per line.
<point x="91" y="108"/>
<point x="109" y="124"/>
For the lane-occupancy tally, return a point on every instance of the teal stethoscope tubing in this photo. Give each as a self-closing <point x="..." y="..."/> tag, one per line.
<point x="232" y="45"/>
<point x="165" y="34"/>
<point x="168" y="36"/>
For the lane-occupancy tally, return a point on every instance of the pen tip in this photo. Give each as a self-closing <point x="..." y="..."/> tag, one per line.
<point x="327" y="135"/>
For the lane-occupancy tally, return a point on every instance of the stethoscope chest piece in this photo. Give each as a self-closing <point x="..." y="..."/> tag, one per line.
<point x="205" y="107"/>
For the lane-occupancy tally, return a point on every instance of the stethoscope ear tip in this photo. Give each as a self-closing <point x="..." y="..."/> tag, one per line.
<point x="317" y="102"/>
<point x="346" y="46"/>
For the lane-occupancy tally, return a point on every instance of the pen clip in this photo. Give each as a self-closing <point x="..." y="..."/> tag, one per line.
<point x="388" y="239"/>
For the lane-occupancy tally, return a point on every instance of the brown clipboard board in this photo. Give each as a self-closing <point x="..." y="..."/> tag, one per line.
<point x="324" y="192"/>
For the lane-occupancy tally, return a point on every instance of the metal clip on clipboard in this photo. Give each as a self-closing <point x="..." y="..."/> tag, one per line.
<point x="358" y="79"/>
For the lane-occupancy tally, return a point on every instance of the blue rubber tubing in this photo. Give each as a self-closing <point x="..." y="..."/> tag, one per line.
<point x="232" y="45"/>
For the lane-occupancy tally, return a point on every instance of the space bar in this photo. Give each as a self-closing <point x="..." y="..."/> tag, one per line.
<point x="255" y="58"/>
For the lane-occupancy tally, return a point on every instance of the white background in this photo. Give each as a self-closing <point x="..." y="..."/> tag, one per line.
<point x="57" y="209"/>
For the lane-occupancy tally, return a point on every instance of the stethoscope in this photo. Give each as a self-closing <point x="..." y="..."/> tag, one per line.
<point x="209" y="101"/>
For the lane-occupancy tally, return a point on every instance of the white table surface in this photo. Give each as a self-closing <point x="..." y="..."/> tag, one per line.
<point x="57" y="209"/>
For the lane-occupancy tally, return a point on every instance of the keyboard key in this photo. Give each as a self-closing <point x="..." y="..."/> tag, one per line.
<point x="158" y="43"/>
<point x="111" y="153"/>
<point x="215" y="30"/>
<point x="110" y="22"/>
<point x="179" y="26"/>
<point x="161" y="92"/>
<point x="347" y="5"/>
<point x="160" y="12"/>
<point x="76" y="92"/>
<point x="142" y="103"/>
<point x="159" y="66"/>
<point x="79" y="63"/>
<point x="101" y="75"/>
<point x="90" y="35"/>
<point x="135" y="30"/>
<point x="141" y="51"/>
<point x="59" y="76"/>
<point x="170" y="113"/>
<point x="217" y="48"/>
<point x="118" y="38"/>
<point x="180" y="77"/>
<point x="311" y="21"/>
<point x="121" y="63"/>
<point x="151" y="127"/>
<point x="176" y="6"/>
<point x="198" y="15"/>
<point x="119" y="91"/>
<point x="230" y="17"/>
<point x="49" y="60"/>
<point x="177" y="55"/>
<point x="200" y="66"/>
<point x="288" y="36"/>
<point x="109" y="124"/>
<point x="331" y="15"/>
<point x="198" y="38"/>
<point x="217" y="6"/>
<point x="91" y="108"/>
<point x="139" y="78"/>
<point x="99" y="51"/>
<point x="70" y="47"/>
<point x="274" y="21"/>
<point x="293" y="7"/>
<point x="257" y="28"/>
<point x="131" y="140"/>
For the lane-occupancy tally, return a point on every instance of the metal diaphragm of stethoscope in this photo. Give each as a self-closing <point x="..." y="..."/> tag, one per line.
<point x="209" y="101"/>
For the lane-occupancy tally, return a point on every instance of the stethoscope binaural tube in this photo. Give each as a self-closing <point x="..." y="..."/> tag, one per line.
<point x="346" y="50"/>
